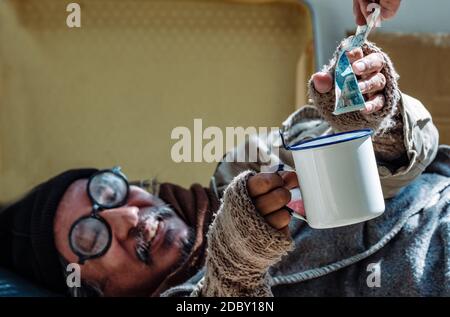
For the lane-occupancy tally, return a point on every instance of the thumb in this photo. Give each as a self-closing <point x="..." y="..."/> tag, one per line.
<point x="323" y="82"/>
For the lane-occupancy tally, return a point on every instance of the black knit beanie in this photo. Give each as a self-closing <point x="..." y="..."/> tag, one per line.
<point x="26" y="232"/>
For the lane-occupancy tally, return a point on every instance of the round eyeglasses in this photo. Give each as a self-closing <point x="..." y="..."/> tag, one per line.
<point x="90" y="236"/>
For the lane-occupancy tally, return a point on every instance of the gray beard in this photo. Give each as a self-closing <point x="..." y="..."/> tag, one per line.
<point x="160" y="212"/>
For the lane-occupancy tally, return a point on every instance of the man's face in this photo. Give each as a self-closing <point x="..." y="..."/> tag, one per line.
<point x="148" y="242"/>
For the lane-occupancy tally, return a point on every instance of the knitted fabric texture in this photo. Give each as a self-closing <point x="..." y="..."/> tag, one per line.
<point x="241" y="246"/>
<point x="386" y="123"/>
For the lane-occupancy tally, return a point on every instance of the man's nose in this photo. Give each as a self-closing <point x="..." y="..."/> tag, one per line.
<point x="121" y="220"/>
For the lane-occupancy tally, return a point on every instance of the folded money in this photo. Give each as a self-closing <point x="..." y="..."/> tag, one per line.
<point x="348" y="95"/>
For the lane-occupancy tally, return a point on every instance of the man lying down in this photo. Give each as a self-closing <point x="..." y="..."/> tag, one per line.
<point x="237" y="238"/>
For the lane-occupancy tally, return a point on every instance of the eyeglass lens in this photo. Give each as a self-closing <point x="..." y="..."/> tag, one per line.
<point x="108" y="190"/>
<point x="89" y="237"/>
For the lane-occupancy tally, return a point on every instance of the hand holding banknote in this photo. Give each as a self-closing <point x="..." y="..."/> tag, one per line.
<point x="389" y="9"/>
<point x="371" y="81"/>
<point x="358" y="88"/>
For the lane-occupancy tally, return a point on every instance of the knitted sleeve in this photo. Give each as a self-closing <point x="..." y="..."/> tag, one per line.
<point x="241" y="247"/>
<point x="386" y="123"/>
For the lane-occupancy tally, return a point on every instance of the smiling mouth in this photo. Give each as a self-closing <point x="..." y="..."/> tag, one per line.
<point x="150" y="232"/>
<point x="152" y="229"/>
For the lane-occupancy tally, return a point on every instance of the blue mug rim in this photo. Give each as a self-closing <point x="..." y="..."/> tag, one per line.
<point x="300" y="145"/>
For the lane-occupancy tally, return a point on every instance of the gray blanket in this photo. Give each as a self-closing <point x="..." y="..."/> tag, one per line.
<point x="404" y="252"/>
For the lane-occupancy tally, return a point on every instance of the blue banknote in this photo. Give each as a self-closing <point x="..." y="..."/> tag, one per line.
<point x="348" y="95"/>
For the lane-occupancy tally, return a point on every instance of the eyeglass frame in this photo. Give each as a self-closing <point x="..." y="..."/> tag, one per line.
<point x="95" y="214"/>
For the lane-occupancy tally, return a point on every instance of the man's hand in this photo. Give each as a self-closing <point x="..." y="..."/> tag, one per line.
<point x="389" y="9"/>
<point x="370" y="79"/>
<point x="270" y="194"/>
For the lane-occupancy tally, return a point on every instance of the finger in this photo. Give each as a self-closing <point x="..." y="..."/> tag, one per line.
<point x="370" y="64"/>
<point x="369" y="96"/>
<point x="323" y="82"/>
<point x="272" y="201"/>
<point x="359" y="17"/>
<point x="363" y="4"/>
<point x="263" y="183"/>
<point x="389" y="8"/>
<point x="387" y="14"/>
<point x="278" y="219"/>
<point x="285" y="230"/>
<point x="373" y="84"/>
<point x="290" y="179"/>
<point x="374" y="104"/>
<point x="355" y="54"/>
<point x="365" y="76"/>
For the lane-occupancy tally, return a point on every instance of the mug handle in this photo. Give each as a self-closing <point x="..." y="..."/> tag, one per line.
<point x="293" y="213"/>
<point x="294" y="193"/>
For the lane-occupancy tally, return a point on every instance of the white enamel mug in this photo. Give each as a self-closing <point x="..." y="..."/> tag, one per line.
<point x="338" y="179"/>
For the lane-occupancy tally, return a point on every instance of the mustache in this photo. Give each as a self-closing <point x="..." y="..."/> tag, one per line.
<point x="160" y="213"/>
